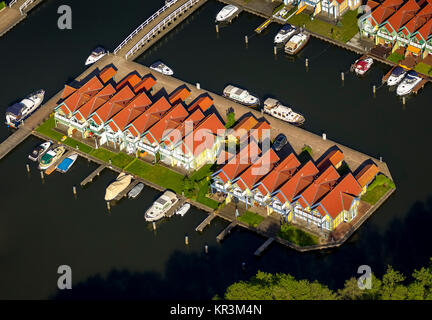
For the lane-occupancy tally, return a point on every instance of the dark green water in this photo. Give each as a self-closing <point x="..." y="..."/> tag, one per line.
<point x="43" y="226"/>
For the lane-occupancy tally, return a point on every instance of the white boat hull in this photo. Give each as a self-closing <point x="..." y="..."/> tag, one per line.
<point x="28" y="106"/>
<point x="226" y="13"/>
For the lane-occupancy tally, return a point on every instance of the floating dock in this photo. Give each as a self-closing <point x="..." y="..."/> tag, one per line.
<point x="93" y="175"/>
<point x="264" y="25"/>
<point x="205" y="222"/>
<point x="264" y="246"/>
<point x="420" y="85"/>
<point x="226" y="231"/>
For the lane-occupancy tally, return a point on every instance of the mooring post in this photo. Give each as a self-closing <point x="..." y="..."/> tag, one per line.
<point x="206" y="249"/>
<point x="374" y="89"/>
<point x="198" y="86"/>
<point x="307" y="62"/>
<point x="217" y="28"/>
<point x="108" y="206"/>
<point x="343" y="76"/>
<point x="275" y="50"/>
<point x="28" y="167"/>
<point x="380" y="158"/>
<point x="324" y="136"/>
<point x="42" y="175"/>
<point x="246" y="39"/>
<point x="186" y="240"/>
<point x="403" y="100"/>
<point x="74" y="190"/>
<point x="154" y="226"/>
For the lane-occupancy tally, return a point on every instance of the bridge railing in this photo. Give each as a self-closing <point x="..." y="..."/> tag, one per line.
<point x="25" y="5"/>
<point x="159" y="26"/>
<point x="142" y="25"/>
<point x="12" y="3"/>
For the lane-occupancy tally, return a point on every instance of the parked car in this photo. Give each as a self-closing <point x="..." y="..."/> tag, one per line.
<point x="279" y="142"/>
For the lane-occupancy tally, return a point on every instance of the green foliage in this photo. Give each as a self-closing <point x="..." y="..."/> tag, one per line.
<point x="297" y="236"/>
<point x="343" y="169"/>
<point x="377" y="189"/>
<point x="423" y="68"/>
<point x="197" y="186"/>
<point x="2" y="5"/>
<point x="278" y="8"/>
<point x="251" y="218"/>
<point x="230" y="120"/>
<point x="395" y="57"/>
<point x="307" y="149"/>
<point x="393" y="286"/>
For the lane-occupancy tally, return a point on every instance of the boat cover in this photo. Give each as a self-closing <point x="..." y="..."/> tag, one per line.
<point x="398" y="71"/>
<point x="15" y="109"/>
<point x="64" y="165"/>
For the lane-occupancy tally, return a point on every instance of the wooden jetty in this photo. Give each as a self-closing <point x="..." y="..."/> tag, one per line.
<point x="387" y="75"/>
<point x="172" y="211"/>
<point x="264" y="246"/>
<point x="264" y="25"/>
<point x="420" y="85"/>
<point x="226" y="231"/>
<point x="126" y="190"/>
<point x="93" y="175"/>
<point x="205" y="222"/>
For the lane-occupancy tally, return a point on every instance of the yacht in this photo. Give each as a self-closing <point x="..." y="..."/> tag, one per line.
<point x="39" y="151"/>
<point x="226" y="13"/>
<point x="161" y="67"/>
<point x="297" y="42"/>
<point x="396" y="76"/>
<point x="51" y="157"/>
<point x="408" y="83"/>
<point x="67" y="163"/>
<point x="284" y="34"/>
<point x="183" y="209"/>
<point x="96" y="54"/>
<point x="18" y="112"/>
<point x="240" y="95"/>
<point x="361" y="66"/>
<point x="161" y="206"/>
<point x="274" y="108"/>
<point x="120" y="183"/>
<point x="136" y="190"/>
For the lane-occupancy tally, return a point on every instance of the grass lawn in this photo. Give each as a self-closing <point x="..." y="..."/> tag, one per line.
<point x="297" y="236"/>
<point x="157" y="174"/>
<point x="347" y="29"/>
<point x="423" y="68"/>
<point x="377" y="189"/>
<point x="201" y="181"/>
<point x="395" y="57"/>
<point x="251" y="218"/>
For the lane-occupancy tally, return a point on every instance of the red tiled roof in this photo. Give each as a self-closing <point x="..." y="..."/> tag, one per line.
<point x="146" y="84"/>
<point x="242" y="129"/>
<point x="319" y="187"/>
<point x="341" y="197"/>
<point x="297" y="183"/>
<point x="333" y="158"/>
<point x="203" y="135"/>
<point x="425" y="31"/>
<point x="74" y="101"/>
<point x="260" y="129"/>
<point x="98" y="100"/>
<point x="235" y="166"/>
<point x="149" y="117"/>
<point x="258" y="170"/>
<point x="184" y="128"/>
<point x="107" y="73"/>
<point x="136" y="107"/>
<point x="420" y="18"/>
<point x="132" y="80"/>
<point x="372" y="4"/>
<point x="179" y="95"/>
<point x="403" y="15"/>
<point x="166" y="124"/>
<point x="385" y="10"/>
<point x="67" y="91"/>
<point x="367" y="174"/>
<point x="113" y="106"/>
<point x="279" y="175"/>
<point x="203" y="103"/>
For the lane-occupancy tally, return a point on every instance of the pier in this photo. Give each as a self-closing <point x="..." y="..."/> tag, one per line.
<point x="226" y="231"/>
<point x="125" y="191"/>
<point x="205" y="222"/>
<point x="174" y="208"/>
<point x="387" y="75"/>
<point x="14" y="13"/>
<point x="264" y="25"/>
<point x="263" y="247"/>
<point x="92" y="175"/>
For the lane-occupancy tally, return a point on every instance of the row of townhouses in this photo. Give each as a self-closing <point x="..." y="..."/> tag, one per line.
<point x="127" y="116"/>
<point x="400" y="23"/>
<point x="329" y="8"/>
<point x="315" y="193"/>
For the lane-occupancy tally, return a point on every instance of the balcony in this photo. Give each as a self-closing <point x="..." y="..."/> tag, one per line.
<point x="148" y="148"/>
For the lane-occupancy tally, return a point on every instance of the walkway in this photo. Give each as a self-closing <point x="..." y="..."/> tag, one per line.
<point x="11" y="16"/>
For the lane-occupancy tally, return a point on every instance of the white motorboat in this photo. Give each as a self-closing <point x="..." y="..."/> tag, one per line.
<point x="18" y="112"/>
<point x="161" y="206"/>
<point x="67" y="163"/>
<point x="297" y="42"/>
<point x="361" y="66"/>
<point x="226" y="13"/>
<point x="51" y="157"/>
<point x="396" y="76"/>
<point x="183" y="209"/>
<point x="161" y="67"/>
<point x="120" y="183"/>
<point x="286" y="32"/>
<point x="240" y="95"/>
<point x="274" y="108"/>
<point x="39" y="151"/>
<point x="135" y="191"/>
<point x="96" y="54"/>
<point x="408" y="83"/>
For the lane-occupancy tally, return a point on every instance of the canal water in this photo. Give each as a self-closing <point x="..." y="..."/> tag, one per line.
<point x="117" y="254"/>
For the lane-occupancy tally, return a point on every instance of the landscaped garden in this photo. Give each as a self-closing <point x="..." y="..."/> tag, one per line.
<point x="251" y="218"/>
<point x="197" y="186"/>
<point x="297" y="236"/>
<point x="377" y="189"/>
